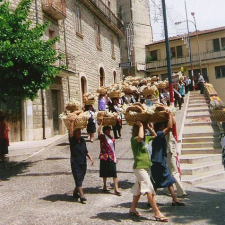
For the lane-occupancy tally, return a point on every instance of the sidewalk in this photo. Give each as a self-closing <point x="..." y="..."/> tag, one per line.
<point x="19" y="151"/>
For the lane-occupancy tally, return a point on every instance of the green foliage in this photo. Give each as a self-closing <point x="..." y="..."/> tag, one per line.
<point x="26" y="61"/>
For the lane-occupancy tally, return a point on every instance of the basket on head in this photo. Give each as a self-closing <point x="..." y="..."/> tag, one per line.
<point x="102" y="90"/>
<point x="79" y="122"/>
<point x="149" y="90"/>
<point x="154" y="78"/>
<point x="72" y="107"/>
<point x="109" y="121"/>
<point x="161" y="85"/>
<point x="158" y="116"/>
<point x="90" y="102"/>
<point x="135" y="83"/>
<point x="115" y="94"/>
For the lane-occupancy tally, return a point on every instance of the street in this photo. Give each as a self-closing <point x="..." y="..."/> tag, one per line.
<point x="39" y="191"/>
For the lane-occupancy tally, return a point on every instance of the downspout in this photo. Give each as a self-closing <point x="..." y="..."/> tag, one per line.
<point x="67" y="60"/>
<point x="42" y="92"/>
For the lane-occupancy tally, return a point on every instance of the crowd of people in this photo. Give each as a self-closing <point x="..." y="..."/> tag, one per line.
<point x="153" y="146"/>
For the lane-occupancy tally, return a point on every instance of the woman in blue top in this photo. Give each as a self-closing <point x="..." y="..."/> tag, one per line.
<point x="161" y="176"/>
<point x="182" y="90"/>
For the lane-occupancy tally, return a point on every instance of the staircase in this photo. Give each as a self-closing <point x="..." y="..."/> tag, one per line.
<point x="201" y="149"/>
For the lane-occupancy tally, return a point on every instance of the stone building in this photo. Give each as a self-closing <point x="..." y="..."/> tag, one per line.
<point x="208" y="54"/>
<point x="90" y="33"/>
<point x="136" y="16"/>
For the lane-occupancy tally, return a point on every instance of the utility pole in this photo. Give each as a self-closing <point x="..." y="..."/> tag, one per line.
<point x="189" y="39"/>
<point x="169" y="69"/>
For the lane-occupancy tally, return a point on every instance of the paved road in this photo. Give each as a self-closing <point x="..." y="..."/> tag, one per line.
<point x="39" y="191"/>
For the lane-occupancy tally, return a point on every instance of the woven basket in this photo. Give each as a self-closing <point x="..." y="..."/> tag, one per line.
<point x="132" y="119"/>
<point x="80" y="123"/>
<point x="136" y="83"/>
<point x="219" y="115"/>
<point x="158" y="116"/>
<point x="148" y="91"/>
<point x="161" y="86"/>
<point x="109" y="121"/>
<point x="90" y="102"/>
<point x="102" y="91"/>
<point x="127" y="90"/>
<point x="115" y="94"/>
<point x="72" y="107"/>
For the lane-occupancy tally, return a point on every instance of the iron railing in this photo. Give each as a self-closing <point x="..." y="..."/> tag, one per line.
<point x="107" y="13"/>
<point x="186" y="59"/>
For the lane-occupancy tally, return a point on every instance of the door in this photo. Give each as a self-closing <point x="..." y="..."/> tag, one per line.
<point x="55" y="111"/>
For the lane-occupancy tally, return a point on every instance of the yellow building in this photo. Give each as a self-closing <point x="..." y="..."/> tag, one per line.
<point x="208" y="57"/>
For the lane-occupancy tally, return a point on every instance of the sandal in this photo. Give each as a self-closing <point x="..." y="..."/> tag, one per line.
<point x="178" y="204"/>
<point x="117" y="193"/>
<point x="135" y="214"/>
<point x="161" y="218"/>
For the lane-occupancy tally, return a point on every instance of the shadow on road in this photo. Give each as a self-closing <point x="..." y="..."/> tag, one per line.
<point x="13" y="169"/>
<point x="60" y="197"/>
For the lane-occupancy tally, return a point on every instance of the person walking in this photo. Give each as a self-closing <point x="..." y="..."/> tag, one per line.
<point x="182" y="90"/>
<point x="79" y="152"/>
<point x="186" y="82"/>
<point x="114" y="108"/>
<point x="91" y="126"/>
<point x="101" y="102"/>
<point x="4" y="138"/>
<point x="161" y="176"/>
<point x="107" y="158"/>
<point x="142" y="163"/>
<point x="200" y="83"/>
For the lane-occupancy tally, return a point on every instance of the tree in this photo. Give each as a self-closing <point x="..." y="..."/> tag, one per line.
<point x="26" y="61"/>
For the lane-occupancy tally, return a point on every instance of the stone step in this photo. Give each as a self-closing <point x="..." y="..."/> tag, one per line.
<point x="195" y="158"/>
<point x="197" y="109"/>
<point x="203" y="134"/>
<point x="198" y="114"/>
<point x="201" y="145"/>
<point x="199" y="139"/>
<point x="204" y="177"/>
<point x="208" y="150"/>
<point x="200" y="130"/>
<point x="193" y="105"/>
<point x="193" y="101"/>
<point x="194" y="169"/>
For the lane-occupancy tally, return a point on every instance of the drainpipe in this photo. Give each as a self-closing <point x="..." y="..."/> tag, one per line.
<point x="42" y="92"/>
<point x="67" y="60"/>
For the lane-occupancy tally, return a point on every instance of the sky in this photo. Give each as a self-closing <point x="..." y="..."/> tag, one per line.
<point x="208" y="13"/>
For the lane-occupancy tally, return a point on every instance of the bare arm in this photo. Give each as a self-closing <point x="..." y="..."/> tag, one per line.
<point x="151" y="129"/>
<point x="92" y="161"/>
<point x="71" y="128"/>
<point x="100" y="128"/>
<point x="141" y="132"/>
<point x="169" y="125"/>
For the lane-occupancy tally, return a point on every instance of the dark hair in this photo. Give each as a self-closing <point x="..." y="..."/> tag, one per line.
<point x="104" y="129"/>
<point x="157" y="126"/>
<point x="142" y="100"/>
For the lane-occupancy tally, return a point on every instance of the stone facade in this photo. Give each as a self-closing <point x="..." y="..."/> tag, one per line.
<point x="84" y="61"/>
<point x="137" y="13"/>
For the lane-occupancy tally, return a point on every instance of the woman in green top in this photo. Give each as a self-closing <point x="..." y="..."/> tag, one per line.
<point x="142" y="163"/>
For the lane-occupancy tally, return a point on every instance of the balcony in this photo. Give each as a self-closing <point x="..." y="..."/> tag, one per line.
<point x="55" y="8"/>
<point x="104" y="13"/>
<point x="205" y="56"/>
<point x="69" y="61"/>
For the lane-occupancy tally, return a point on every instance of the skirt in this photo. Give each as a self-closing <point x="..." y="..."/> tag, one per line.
<point x="79" y="171"/>
<point x="91" y="128"/>
<point x="4" y="147"/>
<point x="161" y="176"/>
<point x="107" y="168"/>
<point x="143" y="184"/>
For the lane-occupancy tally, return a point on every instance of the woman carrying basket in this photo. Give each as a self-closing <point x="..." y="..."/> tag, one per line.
<point x="142" y="163"/>
<point x="107" y="158"/>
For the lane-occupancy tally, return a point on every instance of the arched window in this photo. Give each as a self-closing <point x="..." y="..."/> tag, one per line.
<point x="102" y="77"/>
<point x="83" y="87"/>
<point x="114" y="77"/>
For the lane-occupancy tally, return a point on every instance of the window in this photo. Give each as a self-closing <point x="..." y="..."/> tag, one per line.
<point x="112" y="47"/>
<point x="52" y="36"/>
<point x="223" y="43"/>
<point x="220" y="71"/>
<point x="216" y="45"/>
<point x="98" y="36"/>
<point x="78" y="21"/>
<point x="173" y="52"/>
<point x="179" y="51"/>
<point x="164" y="76"/>
<point x="154" y="55"/>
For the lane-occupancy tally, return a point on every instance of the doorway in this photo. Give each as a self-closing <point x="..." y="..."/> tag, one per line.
<point x="114" y="77"/>
<point x="55" y="111"/>
<point x="102" y="77"/>
<point x="83" y="88"/>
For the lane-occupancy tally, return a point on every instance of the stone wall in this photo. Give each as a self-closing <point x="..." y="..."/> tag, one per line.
<point x="84" y="58"/>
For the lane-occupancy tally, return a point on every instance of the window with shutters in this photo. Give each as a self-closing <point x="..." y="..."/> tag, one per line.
<point x="179" y="51"/>
<point x="78" y="22"/>
<point x="220" y="72"/>
<point x="216" y="45"/>
<point x="98" y="36"/>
